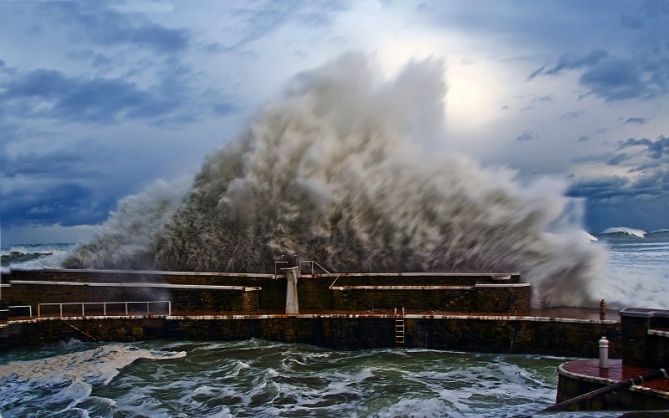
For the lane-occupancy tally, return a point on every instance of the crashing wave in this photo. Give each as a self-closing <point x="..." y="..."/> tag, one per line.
<point x="66" y="380"/>
<point x="335" y="171"/>
<point x="35" y="256"/>
<point x="622" y="230"/>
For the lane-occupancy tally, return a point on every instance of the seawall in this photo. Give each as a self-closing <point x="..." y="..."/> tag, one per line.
<point x="484" y="312"/>
<point x="536" y="335"/>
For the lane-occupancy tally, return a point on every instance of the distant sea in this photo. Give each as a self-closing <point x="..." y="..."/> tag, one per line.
<point x="265" y="379"/>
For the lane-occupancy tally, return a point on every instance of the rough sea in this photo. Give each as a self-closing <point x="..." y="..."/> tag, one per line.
<point x="266" y="379"/>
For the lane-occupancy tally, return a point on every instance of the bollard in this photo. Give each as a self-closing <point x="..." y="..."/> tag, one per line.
<point x="603" y="353"/>
<point x="602" y="310"/>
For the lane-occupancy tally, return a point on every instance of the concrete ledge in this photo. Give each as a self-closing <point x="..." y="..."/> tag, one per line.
<point x="502" y="285"/>
<point x="645" y="313"/>
<point x="400" y="287"/>
<point x="658" y="333"/>
<point x="139" y="284"/>
<point x="155" y="272"/>
<point x="226" y="316"/>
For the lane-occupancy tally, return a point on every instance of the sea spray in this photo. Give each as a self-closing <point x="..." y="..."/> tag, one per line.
<point x="127" y="238"/>
<point x="335" y="171"/>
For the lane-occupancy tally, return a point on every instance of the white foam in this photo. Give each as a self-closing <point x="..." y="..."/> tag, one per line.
<point x="335" y="171"/>
<point x="71" y="376"/>
<point x="639" y="233"/>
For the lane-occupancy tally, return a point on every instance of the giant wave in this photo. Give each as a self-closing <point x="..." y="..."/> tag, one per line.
<point x="334" y="171"/>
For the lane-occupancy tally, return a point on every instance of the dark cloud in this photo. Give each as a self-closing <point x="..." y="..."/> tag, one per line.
<point x="619" y="158"/>
<point x="583" y="138"/>
<point x="614" y="78"/>
<point x="49" y="93"/>
<point x="105" y="26"/>
<point x="600" y="188"/>
<point x="46" y="93"/>
<point x="646" y="10"/>
<point x="569" y="62"/>
<point x="640" y="200"/>
<point x="655" y="149"/>
<point x="66" y="203"/>
<point x="79" y="161"/>
<point x="527" y="136"/>
<point x="635" y="120"/>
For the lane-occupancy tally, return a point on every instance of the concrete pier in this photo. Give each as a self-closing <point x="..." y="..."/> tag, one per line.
<point x="445" y="311"/>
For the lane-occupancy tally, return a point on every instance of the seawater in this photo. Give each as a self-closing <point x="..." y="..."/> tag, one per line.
<point x="265" y="379"/>
<point x="257" y="378"/>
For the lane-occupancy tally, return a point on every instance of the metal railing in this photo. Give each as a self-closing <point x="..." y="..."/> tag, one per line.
<point x="30" y="308"/>
<point x="104" y="306"/>
<point x="313" y="264"/>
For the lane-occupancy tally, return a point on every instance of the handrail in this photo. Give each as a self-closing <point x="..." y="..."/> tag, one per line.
<point x="104" y="306"/>
<point x="313" y="262"/>
<point x="30" y="308"/>
<point x="276" y="263"/>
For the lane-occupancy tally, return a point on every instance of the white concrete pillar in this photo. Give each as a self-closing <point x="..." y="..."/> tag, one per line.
<point x="603" y="353"/>
<point x="292" y="304"/>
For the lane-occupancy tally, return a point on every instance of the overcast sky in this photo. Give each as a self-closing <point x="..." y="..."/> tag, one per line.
<point x="98" y="100"/>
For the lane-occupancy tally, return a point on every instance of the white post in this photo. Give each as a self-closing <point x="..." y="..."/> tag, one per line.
<point x="292" y="304"/>
<point x="603" y="353"/>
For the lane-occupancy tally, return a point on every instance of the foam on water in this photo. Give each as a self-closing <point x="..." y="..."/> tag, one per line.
<point x="61" y="382"/>
<point x="369" y="383"/>
<point x="35" y="256"/>
<point x="623" y="230"/>
<point x="256" y="378"/>
<point x="637" y="272"/>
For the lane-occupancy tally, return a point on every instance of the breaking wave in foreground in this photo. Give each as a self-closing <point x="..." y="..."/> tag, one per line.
<point x="61" y="382"/>
<point x="261" y="379"/>
<point x="336" y="171"/>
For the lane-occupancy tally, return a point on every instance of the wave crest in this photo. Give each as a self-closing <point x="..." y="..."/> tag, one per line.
<point x="336" y="171"/>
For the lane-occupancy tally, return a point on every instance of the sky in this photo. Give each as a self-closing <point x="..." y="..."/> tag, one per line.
<point x="99" y="100"/>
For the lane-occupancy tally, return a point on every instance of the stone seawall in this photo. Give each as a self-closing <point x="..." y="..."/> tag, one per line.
<point x="486" y="312"/>
<point x="561" y="337"/>
<point x="225" y="292"/>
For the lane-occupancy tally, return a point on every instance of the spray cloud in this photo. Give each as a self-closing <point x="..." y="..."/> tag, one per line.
<point x="333" y="171"/>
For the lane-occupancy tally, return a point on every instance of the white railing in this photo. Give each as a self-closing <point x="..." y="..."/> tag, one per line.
<point x="30" y="308"/>
<point x="104" y="306"/>
<point x="314" y="264"/>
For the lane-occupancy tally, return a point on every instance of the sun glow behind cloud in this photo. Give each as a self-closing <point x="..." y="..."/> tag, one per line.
<point x="472" y="84"/>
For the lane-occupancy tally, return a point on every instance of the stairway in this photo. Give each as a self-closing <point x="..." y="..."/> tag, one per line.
<point x="399" y="328"/>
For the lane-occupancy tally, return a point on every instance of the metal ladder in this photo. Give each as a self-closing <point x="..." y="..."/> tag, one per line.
<point x="399" y="328"/>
